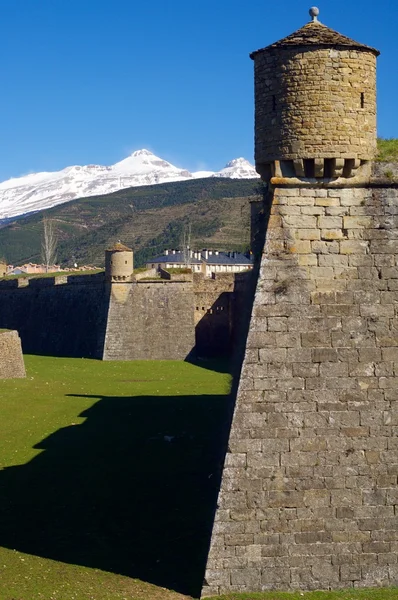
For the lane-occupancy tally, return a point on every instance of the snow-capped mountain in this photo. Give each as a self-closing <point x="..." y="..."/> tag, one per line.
<point x="38" y="191"/>
<point x="239" y="168"/>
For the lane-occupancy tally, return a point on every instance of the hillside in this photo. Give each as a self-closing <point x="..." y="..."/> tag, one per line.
<point x="387" y="150"/>
<point x="148" y="218"/>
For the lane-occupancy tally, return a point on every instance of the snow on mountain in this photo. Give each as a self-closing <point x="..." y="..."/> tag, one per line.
<point x="38" y="191"/>
<point x="239" y="168"/>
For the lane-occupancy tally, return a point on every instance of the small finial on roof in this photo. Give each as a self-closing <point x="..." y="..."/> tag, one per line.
<point x="314" y="12"/>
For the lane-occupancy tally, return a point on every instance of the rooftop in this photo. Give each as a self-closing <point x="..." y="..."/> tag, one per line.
<point x="221" y="258"/>
<point x="119" y="247"/>
<point x="227" y="258"/>
<point x="176" y="258"/>
<point x="317" y="34"/>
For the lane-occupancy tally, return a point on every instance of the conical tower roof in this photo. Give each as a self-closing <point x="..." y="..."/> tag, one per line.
<point x="119" y="247"/>
<point x="317" y="34"/>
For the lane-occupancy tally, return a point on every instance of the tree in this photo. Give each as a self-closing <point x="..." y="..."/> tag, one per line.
<point x="186" y="245"/>
<point x="49" y="243"/>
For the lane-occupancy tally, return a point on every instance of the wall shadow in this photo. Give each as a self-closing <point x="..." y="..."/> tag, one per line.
<point x="131" y="490"/>
<point x="58" y="320"/>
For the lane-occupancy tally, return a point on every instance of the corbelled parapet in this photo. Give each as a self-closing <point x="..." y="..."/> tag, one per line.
<point x="315" y="104"/>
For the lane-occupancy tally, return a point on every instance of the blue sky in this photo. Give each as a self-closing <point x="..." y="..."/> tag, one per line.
<point x="87" y="81"/>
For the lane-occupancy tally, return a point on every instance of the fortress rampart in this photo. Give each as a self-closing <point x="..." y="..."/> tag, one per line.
<point x="309" y="487"/>
<point x="88" y="316"/>
<point x="308" y="496"/>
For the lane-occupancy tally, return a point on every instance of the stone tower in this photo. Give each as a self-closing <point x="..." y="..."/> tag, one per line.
<point x="119" y="263"/>
<point x="315" y="104"/>
<point x="308" y="493"/>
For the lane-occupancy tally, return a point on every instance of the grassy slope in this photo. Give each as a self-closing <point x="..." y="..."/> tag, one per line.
<point x="387" y="150"/>
<point x="61" y="395"/>
<point x="41" y="416"/>
<point x="148" y="218"/>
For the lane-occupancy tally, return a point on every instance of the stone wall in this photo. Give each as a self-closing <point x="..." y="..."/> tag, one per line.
<point x="308" y="104"/>
<point x="150" y="320"/>
<point x="309" y="491"/>
<point x="11" y="358"/>
<point x="57" y="319"/>
<point x="71" y="316"/>
<point x="219" y="311"/>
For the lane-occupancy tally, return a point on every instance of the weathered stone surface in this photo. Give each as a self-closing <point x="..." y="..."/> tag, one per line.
<point x="11" y="358"/>
<point x="297" y="118"/>
<point x="320" y="481"/>
<point x="77" y="316"/>
<point x="142" y="321"/>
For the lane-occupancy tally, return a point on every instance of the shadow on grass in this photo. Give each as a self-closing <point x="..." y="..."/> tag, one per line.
<point x="132" y="490"/>
<point x="218" y="365"/>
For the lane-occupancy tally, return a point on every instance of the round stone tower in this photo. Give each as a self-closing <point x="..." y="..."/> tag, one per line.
<point x="119" y="263"/>
<point x="3" y="268"/>
<point x="315" y="104"/>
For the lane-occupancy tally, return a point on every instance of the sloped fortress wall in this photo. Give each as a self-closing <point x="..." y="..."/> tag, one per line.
<point x="309" y="489"/>
<point x="308" y="496"/>
<point x="11" y="358"/>
<point x="150" y="321"/>
<point x="57" y="319"/>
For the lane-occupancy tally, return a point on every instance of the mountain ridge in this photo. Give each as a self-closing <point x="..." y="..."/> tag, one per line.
<point x="147" y="218"/>
<point x="38" y="191"/>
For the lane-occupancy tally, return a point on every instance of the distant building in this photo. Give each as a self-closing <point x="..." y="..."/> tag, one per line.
<point x="205" y="261"/>
<point x="225" y="262"/>
<point x="32" y="268"/>
<point x="175" y="259"/>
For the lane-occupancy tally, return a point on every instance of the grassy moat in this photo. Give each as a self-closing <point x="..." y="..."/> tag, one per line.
<point x="108" y="476"/>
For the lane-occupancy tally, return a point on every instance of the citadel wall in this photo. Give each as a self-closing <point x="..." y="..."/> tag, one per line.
<point x="85" y="316"/>
<point x="309" y="491"/>
<point x="55" y="318"/>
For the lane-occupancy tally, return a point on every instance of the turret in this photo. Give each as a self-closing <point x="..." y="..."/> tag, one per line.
<point x="315" y="104"/>
<point x="119" y="263"/>
<point x="3" y="268"/>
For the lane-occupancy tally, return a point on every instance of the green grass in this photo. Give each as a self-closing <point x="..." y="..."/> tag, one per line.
<point x="178" y="271"/>
<point x="95" y="502"/>
<point x="52" y="274"/>
<point x="387" y="150"/>
<point x="104" y="477"/>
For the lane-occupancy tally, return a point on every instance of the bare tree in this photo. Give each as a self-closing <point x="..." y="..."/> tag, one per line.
<point x="49" y="243"/>
<point x="186" y="245"/>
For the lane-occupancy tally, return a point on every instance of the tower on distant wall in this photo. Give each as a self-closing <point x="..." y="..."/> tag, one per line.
<point x="119" y="263"/>
<point x="309" y="486"/>
<point x="315" y="104"/>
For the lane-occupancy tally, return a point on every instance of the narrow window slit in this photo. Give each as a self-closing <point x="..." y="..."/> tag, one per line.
<point x="362" y="100"/>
